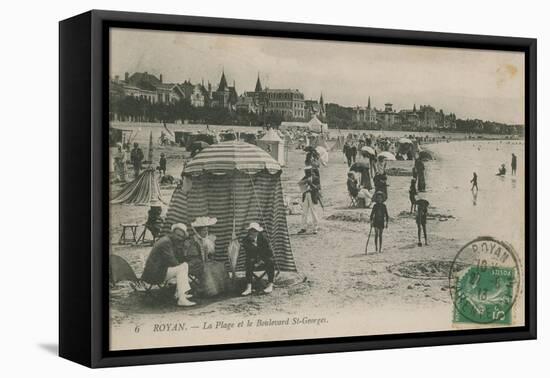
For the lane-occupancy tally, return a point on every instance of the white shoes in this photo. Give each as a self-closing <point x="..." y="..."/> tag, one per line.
<point x="185" y="302"/>
<point x="248" y="290"/>
<point x="269" y="288"/>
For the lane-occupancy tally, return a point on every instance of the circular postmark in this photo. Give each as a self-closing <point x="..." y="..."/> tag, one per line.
<point x="484" y="282"/>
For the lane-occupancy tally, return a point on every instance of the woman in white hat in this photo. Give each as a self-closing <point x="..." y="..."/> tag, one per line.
<point x="214" y="279"/>
<point x="206" y="241"/>
<point x="257" y="249"/>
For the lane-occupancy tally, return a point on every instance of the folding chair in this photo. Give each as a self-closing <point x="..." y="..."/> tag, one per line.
<point x="142" y="237"/>
<point x="353" y="201"/>
<point x="133" y="232"/>
<point x="259" y="274"/>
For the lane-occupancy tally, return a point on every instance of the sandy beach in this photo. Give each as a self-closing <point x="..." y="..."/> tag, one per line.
<point x="334" y="272"/>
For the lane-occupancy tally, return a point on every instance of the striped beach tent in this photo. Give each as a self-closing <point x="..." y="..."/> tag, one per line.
<point x="237" y="183"/>
<point x="144" y="190"/>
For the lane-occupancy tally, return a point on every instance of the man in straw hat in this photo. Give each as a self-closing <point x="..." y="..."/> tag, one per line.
<point x="311" y="186"/>
<point x="163" y="264"/>
<point x="379" y="218"/>
<point x="257" y="249"/>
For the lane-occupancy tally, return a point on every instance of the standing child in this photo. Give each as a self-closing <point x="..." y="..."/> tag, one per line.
<point x="412" y="195"/>
<point x="378" y="219"/>
<point x="162" y="164"/>
<point x="421" y="218"/>
<point x="473" y="181"/>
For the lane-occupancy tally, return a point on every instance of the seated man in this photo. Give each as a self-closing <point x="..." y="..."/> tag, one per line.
<point x="162" y="265"/>
<point x="257" y="249"/>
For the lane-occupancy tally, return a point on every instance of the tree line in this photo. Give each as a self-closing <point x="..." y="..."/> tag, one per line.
<point x="128" y="108"/>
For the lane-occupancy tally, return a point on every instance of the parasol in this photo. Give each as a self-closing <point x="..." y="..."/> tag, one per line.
<point x="386" y="155"/>
<point x="368" y="150"/>
<point x="421" y="199"/>
<point x="425" y="155"/>
<point x="226" y="157"/>
<point x="323" y="154"/>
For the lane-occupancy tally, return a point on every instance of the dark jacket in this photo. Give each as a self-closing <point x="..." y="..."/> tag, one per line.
<point x="162" y="256"/>
<point x="136" y="156"/>
<point x="260" y="251"/>
<point x="313" y="186"/>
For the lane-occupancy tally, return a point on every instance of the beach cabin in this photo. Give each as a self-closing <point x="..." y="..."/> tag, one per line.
<point x="317" y="126"/>
<point x="272" y="143"/>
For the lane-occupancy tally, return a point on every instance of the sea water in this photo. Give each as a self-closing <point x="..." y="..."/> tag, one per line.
<point x="497" y="208"/>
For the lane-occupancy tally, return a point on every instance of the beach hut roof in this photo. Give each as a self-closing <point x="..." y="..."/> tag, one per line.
<point x="316" y="125"/>
<point x="230" y="156"/>
<point x="271" y="136"/>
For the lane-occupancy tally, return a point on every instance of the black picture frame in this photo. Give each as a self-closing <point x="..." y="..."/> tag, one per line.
<point x="83" y="196"/>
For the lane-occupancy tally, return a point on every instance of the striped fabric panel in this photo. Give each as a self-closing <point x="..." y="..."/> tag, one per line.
<point x="232" y="155"/>
<point x="141" y="191"/>
<point x="213" y="196"/>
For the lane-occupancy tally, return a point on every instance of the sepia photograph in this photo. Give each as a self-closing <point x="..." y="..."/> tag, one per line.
<point x="271" y="189"/>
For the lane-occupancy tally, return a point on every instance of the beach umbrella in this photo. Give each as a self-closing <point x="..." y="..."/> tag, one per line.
<point x="386" y="155"/>
<point x="405" y="141"/>
<point x="359" y="166"/>
<point x="425" y="155"/>
<point x="323" y="155"/>
<point x="368" y="150"/>
<point x="229" y="156"/>
<point x="422" y="199"/>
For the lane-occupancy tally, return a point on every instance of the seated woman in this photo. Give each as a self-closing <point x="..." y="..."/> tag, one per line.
<point x="154" y="220"/>
<point x="363" y="195"/>
<point x="213" y="278"/>
<point x="353" y="185"/>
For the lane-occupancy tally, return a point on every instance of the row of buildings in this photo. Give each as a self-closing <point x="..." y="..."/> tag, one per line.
<point x="290" y="104"/>
<point x="425" y="117"/>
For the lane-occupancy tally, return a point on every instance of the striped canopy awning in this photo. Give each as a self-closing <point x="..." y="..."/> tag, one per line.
<point x="229" y="156"/>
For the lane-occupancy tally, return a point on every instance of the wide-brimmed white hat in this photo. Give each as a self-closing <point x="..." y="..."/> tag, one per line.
<point x="179" y="226"/>
<point x="255" y="226"/>
<point x="203" y="222"/>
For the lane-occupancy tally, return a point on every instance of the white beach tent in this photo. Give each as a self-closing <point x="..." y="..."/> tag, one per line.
<point x="272" y="143"/>
<point x="317" y="126"/>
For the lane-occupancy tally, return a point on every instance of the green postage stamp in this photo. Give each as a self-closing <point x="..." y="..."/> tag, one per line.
<point x="486" y="285"/>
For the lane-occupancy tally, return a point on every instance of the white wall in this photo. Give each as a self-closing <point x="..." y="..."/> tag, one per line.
<point x="29" y="59"/>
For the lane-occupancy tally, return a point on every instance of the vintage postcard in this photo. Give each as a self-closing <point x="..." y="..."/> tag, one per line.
<point x="267" y="189"/>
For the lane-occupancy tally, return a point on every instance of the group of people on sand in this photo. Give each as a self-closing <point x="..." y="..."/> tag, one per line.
<point x="186" y="256"/>
<point x="364" y="195"/>
<point x="121" y="158"/>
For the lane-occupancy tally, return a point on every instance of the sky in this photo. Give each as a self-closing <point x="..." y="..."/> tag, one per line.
<point x="482" y="84"/>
